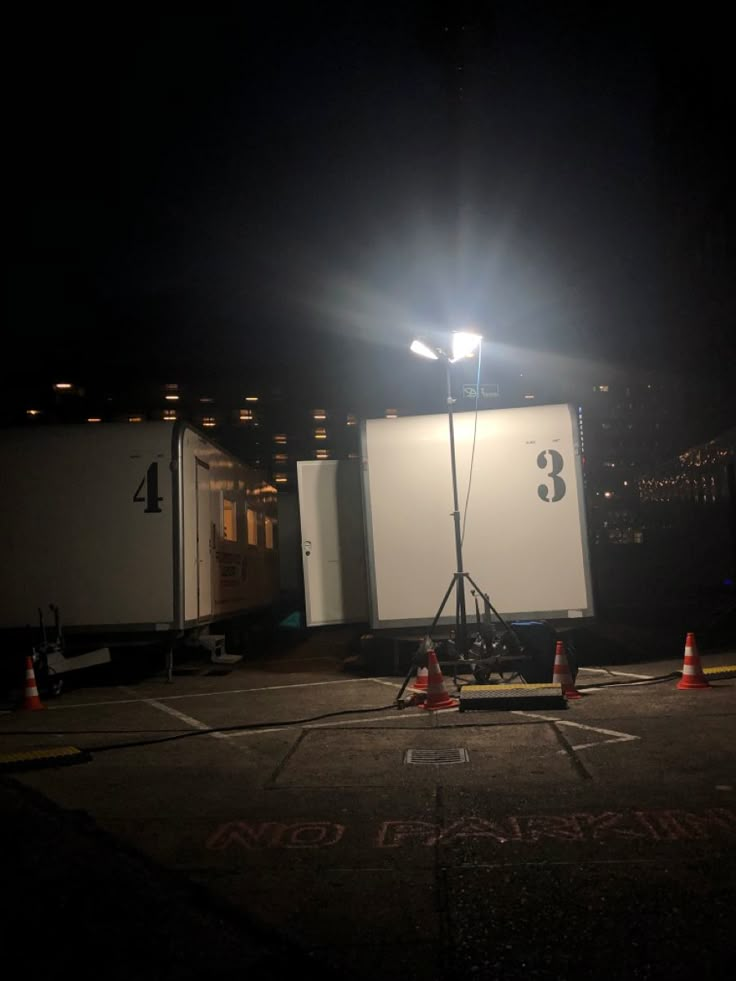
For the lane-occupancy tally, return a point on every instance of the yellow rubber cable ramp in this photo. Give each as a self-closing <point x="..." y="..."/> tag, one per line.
<point x="496" y="697"/>
<point x="45" y="756"/>
<point x="725" y="671"/>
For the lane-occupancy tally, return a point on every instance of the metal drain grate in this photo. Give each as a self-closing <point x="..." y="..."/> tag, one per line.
<point x="436" y="756"/>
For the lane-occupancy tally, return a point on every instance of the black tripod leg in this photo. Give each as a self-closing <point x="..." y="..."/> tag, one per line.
<point x="412" y="665"/>
<point x="442" y="605"/>
<point x="405" y="682"/>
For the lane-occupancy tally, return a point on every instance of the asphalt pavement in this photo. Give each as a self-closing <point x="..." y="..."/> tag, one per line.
<point x="593" y="841"/>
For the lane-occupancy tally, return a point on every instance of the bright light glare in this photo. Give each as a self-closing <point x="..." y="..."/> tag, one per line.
<point x="464" y="344"/>
<point x="419" y="347"/>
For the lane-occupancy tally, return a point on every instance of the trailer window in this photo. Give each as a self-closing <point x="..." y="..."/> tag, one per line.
<point x="229" y="521"/>
<point x="252" y="522"/>
<point x="269" y="532"/>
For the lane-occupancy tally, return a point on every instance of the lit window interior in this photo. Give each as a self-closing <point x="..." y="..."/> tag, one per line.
<point x="252" y="526"/>
<point x="229" y="521"/>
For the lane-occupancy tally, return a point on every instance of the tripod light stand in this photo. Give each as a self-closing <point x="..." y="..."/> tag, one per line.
<point x="464" y="345"/>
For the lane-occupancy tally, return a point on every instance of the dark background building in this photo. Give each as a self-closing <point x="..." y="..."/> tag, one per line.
<point x="206" y="209"/>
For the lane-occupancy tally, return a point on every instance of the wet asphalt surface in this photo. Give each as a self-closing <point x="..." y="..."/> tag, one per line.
<point x="596" y="841"/>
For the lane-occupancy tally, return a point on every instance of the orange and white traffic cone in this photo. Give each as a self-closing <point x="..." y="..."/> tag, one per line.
<point x="437" y="696"/>
<point x="692" y="672"/>
<point x="421" y="682"/>
<point x="31" y="701"/>
<point x="561" y="672"/>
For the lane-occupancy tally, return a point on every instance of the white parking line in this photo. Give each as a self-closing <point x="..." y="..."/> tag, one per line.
<point x="621" y="674"/>
<point x="194" y="723"/>
<point x="205" y="694"/>
<point x="618" y="737"/>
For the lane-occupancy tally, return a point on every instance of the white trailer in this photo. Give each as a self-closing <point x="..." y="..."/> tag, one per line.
<point x="132" y="529"/>
<point x="525" y="539"/>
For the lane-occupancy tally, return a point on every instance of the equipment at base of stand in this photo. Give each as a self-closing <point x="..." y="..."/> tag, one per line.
<point x="520" y="649"/>
<point x="52" y="659"/>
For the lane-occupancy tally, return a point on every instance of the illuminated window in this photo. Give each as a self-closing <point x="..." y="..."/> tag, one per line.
<point x="169" y="415"/>
<point x="94" y="419"/>
<point x="251" y="398"/>
<point x="600" y="388"/>
<point x="229" y="521"/>
<point x="320" y="434"/>
<point x="252" y="526"/>
<point x="392" y="413"/>
<point x="63" y="387"/>
<point x="351" y="420"/>
<point x="281" y="457"/>
<point x="280" y="478"/>
<point x="268" y="530"/>
<point x="245" y="415"/>
<point x="206" y="400"/>
<point x="33" y="412"/>
<point x="322" y="454"/>
<point x="319" y="414"/>
<point x="135" y="418"/>
<point x="209" y="422"/>
<point x="280" y="439"/>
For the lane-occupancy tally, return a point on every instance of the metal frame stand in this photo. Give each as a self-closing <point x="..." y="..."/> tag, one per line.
<point x="459" y="576"/>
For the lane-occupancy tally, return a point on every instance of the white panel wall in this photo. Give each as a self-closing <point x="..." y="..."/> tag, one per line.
<point x="333" y="546"/>
<point x="80" y="526"/>
<point x="529" y="553"/>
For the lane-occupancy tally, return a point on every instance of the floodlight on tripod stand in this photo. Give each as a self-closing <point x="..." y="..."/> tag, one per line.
<point x="464" y="345"/>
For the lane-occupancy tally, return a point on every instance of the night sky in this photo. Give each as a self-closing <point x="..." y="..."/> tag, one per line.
<point x="294" y="195"/>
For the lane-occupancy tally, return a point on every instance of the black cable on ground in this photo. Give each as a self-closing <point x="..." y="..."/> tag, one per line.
<point x="242" y="727"/>
<point x="630" y="684"/>
<point x="253" y="726"/>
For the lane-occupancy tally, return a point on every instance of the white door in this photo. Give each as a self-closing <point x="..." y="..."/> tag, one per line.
<point x="333" y="549"/>
<point x="204" y="540"/>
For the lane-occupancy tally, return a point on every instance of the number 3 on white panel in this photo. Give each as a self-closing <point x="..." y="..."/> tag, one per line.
<point x="555" y="463"/>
